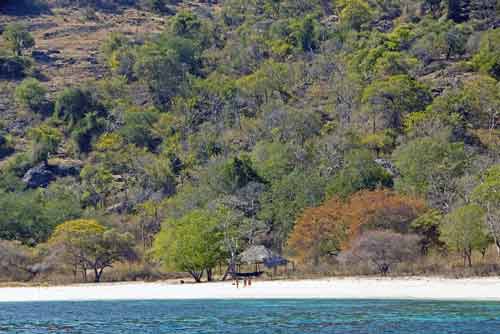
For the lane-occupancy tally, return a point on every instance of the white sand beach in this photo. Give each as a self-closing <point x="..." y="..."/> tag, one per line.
<point x="335" y="288"/>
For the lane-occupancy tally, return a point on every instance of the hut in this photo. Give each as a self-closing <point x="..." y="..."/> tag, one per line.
<point x="260" y="255"/>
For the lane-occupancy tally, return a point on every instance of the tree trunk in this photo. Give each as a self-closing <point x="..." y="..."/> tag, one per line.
<point x="98" y="274"/>
<point x="226" y="274"/>
<point x="209" y="274"/>
<point x="197" y="275"/>
<point x="84" y="274"/>
<point x="468" y="255"/>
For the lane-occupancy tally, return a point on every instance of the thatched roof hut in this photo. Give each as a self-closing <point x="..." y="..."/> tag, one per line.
<point x="255" y="254"/>
<point x="261" y="254"/>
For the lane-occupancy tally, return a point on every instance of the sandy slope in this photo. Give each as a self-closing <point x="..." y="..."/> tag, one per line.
<point x="369" y="288"/>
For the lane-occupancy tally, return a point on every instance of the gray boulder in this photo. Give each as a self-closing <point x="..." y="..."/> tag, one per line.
<point x="39" y="176"/>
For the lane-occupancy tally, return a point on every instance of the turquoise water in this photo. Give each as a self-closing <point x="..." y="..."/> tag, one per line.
<point x="252" y="316"/>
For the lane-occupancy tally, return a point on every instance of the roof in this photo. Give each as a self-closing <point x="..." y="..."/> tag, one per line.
<point x="261" y="254"/>
<point x="255" y="254"/>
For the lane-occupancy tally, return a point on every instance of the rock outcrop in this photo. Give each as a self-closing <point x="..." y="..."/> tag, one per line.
<point x="43" y="174"/>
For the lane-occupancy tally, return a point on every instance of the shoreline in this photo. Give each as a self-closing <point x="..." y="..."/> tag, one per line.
<point x="410" y="288"/>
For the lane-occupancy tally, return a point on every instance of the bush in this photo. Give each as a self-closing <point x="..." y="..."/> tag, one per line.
<point x="32" y="95"/>
<point x="28" y="7"/>
<point x="13" y="67"/>
<point x="159" y="6"/>
<point x="18" y="38"/>
<point x="5" y="147"/>
<point x="45" y="140"/>
<point x="73" y="104"/>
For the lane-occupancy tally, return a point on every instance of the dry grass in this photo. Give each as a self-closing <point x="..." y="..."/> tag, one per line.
<point x="74" y="41"/>
<point x="436" y="264"/>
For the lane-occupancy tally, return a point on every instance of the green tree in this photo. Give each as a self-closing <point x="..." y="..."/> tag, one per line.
<point x="21" y="218"/>
<point x="387" y="101"/>
<point x="487" y="59"/>
<point x="481" y="102"/>
<point x="186" y="24"/>
<point x="360" y="172"/>
<point x="487" y="195"/>
<point x="286" y="198"/>
<point x="430" y="167"/>
<point x="463" y="231"/>
<point x="72" y="104"/>
<point x="5" y="144"/>
<point x="98" y="183"/>
<point x="44" y="141"/>
<point x="269" y="78"/>
<point x="32" y="95"/>
<point x="86" y="131"/>
<point x="18" y="38"/>
<point x="139" y="128"/>
<point x="355" y="13"/>
<point x="273" y="160"/>
<point x="191" y="243"/>
<point x="86" y="244"/>
<point x="233" y="174"/>
<point x="305" y="33"/>
<point x="164" y="66"/>
<point x="427" y="225"/>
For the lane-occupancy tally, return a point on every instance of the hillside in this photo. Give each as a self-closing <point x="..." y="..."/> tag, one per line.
<point x="353" y="137"/>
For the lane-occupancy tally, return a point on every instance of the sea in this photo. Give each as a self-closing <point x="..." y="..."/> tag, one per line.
<point x="252" y="316"/>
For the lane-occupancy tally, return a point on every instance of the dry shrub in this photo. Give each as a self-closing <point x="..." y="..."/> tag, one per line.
<point x="382" y="250"/>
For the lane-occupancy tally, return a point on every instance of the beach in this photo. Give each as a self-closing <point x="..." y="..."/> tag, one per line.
<point x="471" y="289"/>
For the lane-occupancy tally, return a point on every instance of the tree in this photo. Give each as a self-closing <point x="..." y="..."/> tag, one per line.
<point x="305" y="33"/>
<point x="18" y="38"/>
<point x="318" y="232"/>
<point x="186" y="24"/>
<point x="487" y="59"/>
<point x="381" y="210"/>
<point x="273" y="160"/>
<point x="45" y="140"/>
<point x="233" y="174"/>
<point x="21" y="218"/>
<point x="387" y="101"/>
<point x="139" y="128"/>
<point x="427" y="226"/>
<point x="191" y="243"/>
<point x="32" y="95"/>
<point x="355" y="13"/>
<point x="6" y="147"/>
<point x="429" y="167"/>
<point x="286" y="198"/>
<point x="164" y="67"/>
<point x="98" y="183"/>
<point x="271" y="77"/>
<point x="463" y="231"/>
<point x="86" y="244"/>
<point x="360" y="172"/>
<point x="72" y="104"/>
<point x="324" y="231"/>
<point x="481" y="102"/>
<point x="383" y="249"/>
<point x="487" y="195"/>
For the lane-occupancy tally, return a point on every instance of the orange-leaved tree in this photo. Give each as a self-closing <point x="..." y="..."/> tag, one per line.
<point x="380" y="210"/>
<point x="318" y="232"/>
<point x="325" y="230"/>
